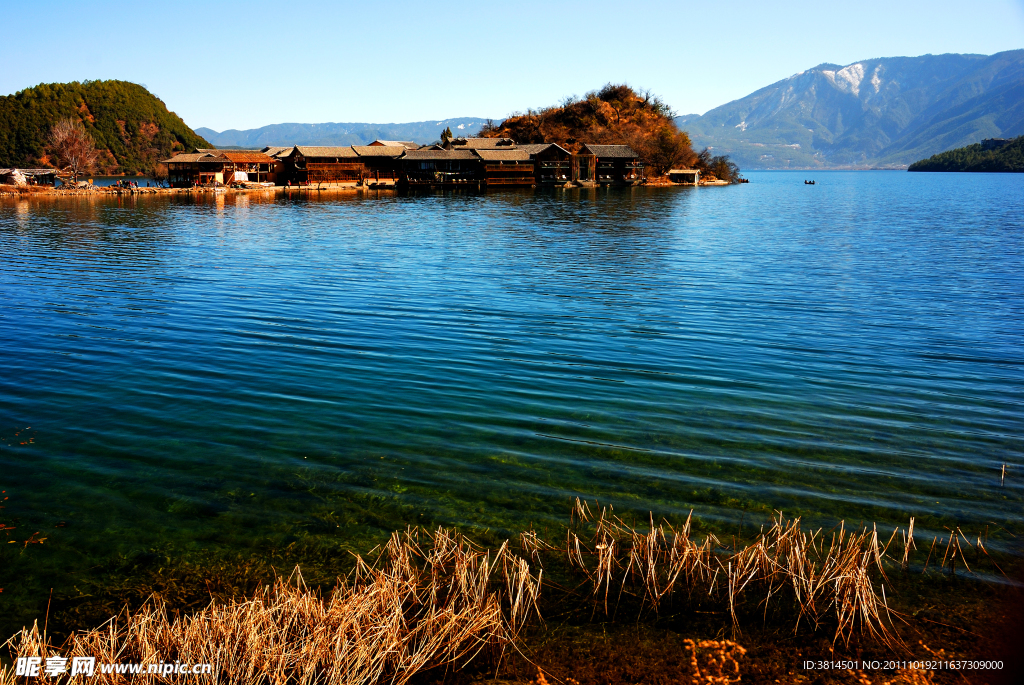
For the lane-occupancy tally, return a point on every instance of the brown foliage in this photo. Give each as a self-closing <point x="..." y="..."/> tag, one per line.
<point x="159" y="172"/>
<point x="614" y="115"/>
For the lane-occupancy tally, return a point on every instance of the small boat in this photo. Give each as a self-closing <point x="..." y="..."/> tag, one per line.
<point x="808" y="183"/>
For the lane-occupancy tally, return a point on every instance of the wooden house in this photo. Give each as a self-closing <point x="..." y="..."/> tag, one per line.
<point x="380" y="162"/>
<point x="690" y="177"/>
<point x="34" y="177"/>
<point x="615" y="164"/>
<point x="441" y="167"/>
<point x="247" y="166"/>
<point x="507" y="167"/>
<point x="194" y="168"/>
<point x="553" y="164"/>
<point x="278" y="154"/>
<point x="308" y="164"/>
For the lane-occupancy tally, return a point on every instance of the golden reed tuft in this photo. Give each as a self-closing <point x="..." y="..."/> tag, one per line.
<point x="418" y="606"/>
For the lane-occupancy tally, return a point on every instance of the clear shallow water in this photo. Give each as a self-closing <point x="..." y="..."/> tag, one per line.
<point x="242" y="376"/>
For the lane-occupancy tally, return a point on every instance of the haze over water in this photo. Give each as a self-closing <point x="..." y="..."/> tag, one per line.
<point x="247" y="375"/>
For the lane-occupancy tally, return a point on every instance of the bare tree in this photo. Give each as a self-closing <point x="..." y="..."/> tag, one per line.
<point x="73" y="146"/>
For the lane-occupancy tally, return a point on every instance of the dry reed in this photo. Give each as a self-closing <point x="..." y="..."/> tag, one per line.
<point x="417" y="607"/>
<point x="834" y="581"/>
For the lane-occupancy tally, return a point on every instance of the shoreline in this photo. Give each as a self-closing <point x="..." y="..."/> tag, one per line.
<point x="25" y="192"/>
<point x="614" y="604"/>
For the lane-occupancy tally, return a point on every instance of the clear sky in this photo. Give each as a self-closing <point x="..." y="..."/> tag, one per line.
<point x="248" y="64"/>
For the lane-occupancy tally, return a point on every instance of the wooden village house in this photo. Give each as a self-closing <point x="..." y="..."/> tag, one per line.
<point x="553" y="163"/>
<point x="308" y="164"/>
<point x="507" y="167"/>
<point x="432" y="166"/>
<point x="615" y="164"/>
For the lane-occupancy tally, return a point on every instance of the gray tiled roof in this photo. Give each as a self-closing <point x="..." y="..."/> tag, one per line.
<point x="504" y="155"/>
<point x="379" y="150"/>
<point x="613" y="151"/>
<point x="275" y="150"/>
<point x="439" y="154"/>
<point x="483" y="143"/>
<point x="407" y="144"/>
<point x="29" y="172"/>
<point x="320" y="151"/>
<point x="188" y="157"/>
<point x="536" y="148"/>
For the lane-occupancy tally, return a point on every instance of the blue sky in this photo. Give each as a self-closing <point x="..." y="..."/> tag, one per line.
<point x="245" y="65"/>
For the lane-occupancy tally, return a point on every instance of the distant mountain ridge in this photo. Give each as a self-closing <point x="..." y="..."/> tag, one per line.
<point x="341" y="133"/>
<point x="889" y="111"/>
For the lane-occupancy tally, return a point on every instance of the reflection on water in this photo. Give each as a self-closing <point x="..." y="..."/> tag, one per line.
<point x="246" y="374"/>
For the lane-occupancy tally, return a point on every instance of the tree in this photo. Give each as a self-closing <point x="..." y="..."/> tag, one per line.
<point x="73" y="146"/>
<point x="160" y="173"/>
<point x="719" y="167"/>
<point x="670" y="148"/>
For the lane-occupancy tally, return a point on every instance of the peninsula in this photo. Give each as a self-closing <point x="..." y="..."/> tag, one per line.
<point x="998" y="155"/>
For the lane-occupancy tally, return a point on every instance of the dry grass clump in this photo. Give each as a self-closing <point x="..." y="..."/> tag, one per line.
<point x="828" y="578"/>
<point x="417" y="607"/>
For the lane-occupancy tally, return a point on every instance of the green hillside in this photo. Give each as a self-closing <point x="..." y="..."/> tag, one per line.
<point x="131" y="125"/>
<point x="1010" y="158"/>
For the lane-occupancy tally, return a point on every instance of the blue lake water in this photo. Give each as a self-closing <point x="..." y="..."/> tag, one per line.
<point x="242" y="374"/>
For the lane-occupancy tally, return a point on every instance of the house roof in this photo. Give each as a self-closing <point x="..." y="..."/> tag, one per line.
<point x="275" y="150"/>
<point x="439" y="154"/>
<point x="29" y="172"/>
<point x="614" y="151"/>
<point x="246" y="157"/>
<point x="319" y="151"/>
<point x="483" y="143"/>
<point x="503" y="155"/>
<point x="407" y="144"/>
<point x="379" y="150"/>
<point x="189" y="157"/>
<point x="682" y="171"/>
<point x="537" y="148"/>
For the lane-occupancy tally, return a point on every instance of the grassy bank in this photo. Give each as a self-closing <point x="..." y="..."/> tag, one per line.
<point x="610" y="602"/>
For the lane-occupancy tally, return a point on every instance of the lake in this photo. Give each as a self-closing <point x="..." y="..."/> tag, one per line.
<point x="251" y="377"/>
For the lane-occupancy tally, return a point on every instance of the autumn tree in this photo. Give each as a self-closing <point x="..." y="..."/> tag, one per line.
<point x="73" y="146"/>
<point x="160" y="172"/>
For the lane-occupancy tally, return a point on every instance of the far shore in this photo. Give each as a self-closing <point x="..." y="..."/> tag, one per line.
<point x="96" y="191"/>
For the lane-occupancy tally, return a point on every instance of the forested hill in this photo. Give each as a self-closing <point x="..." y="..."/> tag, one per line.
<point x="1009" y="157"/>
<point x="131" y="126"/>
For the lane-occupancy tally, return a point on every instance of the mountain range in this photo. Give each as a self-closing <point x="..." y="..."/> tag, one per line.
<point x="340" y="134"/>
<point x="886" y="112"/>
